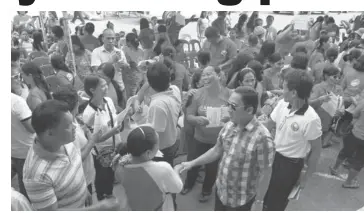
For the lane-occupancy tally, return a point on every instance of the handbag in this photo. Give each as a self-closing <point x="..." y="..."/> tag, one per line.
<point x="107" y="154"/>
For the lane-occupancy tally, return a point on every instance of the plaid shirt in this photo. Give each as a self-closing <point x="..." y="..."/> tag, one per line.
<point x="246" y="152"/>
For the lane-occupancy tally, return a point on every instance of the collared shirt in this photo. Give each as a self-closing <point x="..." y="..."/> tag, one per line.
<point x="50" y="177"/>
<point x="100" y="55"/>
<point x="224" y="50"/>
<point x="163" y="115"/>
<point x="246" y="153"/>
<point x="294" y="130"/>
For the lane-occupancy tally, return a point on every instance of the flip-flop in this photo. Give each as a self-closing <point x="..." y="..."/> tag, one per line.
<point x="324" y="146"/>
<point x="334" y="172"/>
<point x="354" y="185"/>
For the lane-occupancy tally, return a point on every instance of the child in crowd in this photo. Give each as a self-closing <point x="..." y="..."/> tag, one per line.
<point x="148" y="184"/>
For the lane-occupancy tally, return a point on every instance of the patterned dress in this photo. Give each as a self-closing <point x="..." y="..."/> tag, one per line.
<point x="132" y="76"/>
<point x="83" y="64"/>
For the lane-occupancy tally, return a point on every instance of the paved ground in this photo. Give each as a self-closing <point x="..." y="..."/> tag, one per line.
<point x="323" y="192"/>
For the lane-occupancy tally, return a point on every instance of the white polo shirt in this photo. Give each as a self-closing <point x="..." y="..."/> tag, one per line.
<point x="100" y="55"/>
<point x="294" y="130"/>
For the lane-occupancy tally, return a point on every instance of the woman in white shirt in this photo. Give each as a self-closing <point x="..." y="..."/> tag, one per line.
<point x="100" y="115"/>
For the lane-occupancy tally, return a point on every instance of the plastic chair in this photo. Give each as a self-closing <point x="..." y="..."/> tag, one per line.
<point x="193" y="43"/>
<point x="37" y="54"/>
<point x="41" y="61"/>
<point x="184" y="43"/>
<point x="192" y="59"/>
<point x="47" y="70"/>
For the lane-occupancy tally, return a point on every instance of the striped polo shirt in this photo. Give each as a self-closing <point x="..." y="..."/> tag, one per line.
<point x="50" y="177"/>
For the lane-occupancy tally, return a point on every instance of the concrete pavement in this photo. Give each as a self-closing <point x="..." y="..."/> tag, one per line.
<point x="322" y="193"/>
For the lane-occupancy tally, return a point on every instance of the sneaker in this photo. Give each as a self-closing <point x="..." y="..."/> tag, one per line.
<point x="204" y="197"/>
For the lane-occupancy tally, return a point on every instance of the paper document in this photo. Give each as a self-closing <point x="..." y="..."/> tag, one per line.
<point x="215" y="114"/>
<point x="301" y="23"/>
<point x="332" y="105"/>
<point x="295" y="193"/>
<point x="121" y="116"/>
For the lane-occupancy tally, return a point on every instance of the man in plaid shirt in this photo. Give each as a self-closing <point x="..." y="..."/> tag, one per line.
<point x="246" y="149"/>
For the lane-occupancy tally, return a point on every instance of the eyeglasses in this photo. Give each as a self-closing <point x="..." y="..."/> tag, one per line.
<point x="232" y="106"/>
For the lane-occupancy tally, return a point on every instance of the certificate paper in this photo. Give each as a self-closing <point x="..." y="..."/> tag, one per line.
<point x="332" y="105"/>
<point x="215" y="114"/>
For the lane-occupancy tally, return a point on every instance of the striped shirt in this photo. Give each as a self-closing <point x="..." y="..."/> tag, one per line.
<point x="246" y="152"/>
<point x="51" y="178"/>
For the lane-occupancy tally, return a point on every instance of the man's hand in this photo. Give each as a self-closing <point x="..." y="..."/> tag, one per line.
<point x="191" y="92"/>
<point x="184" y="166"/>
<point x="325" y="98"/>
<point x="202" y="121"/>
<point x="257" y="205"/>
<point x="88" y="199"/>
<point x="115" y="57"/>
<point x="109" y="204"/>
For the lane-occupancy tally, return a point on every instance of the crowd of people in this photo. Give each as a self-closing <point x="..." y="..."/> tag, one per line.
<point x="91" y="112"/>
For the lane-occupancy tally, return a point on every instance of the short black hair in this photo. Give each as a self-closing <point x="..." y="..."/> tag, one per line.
<point x="300" y="61"/>
<point x="91" y="82"/>
<point x="359" y="64"/>
<point x="253" y="39"/>
<point x="57" y="31"/>
<point x="162" y="29"/>
<point x="257" y="67"/>
<point x="144" y="23"/>
<point x="15" y="55"/>
<point x="212" y="32"/>
<point x="140" y="140"/>
<point x="67" y="94"/>
<point x="300" y="81"/>
<point x="90" y="28"/>
<point x="330" y="70"/>
<point x="270" y="17"/>
<point x="204" y="57"/>
<point x="332" y="54"/>
<point x="301" y="49"/>
<point x="274" y="58"/>
<point x="249" y="97"/>
<point x="159" y="77"/>
<point x="48" y="115"/>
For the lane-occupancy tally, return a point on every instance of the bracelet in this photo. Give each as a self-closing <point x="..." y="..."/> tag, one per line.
<point x="259" y="201"/>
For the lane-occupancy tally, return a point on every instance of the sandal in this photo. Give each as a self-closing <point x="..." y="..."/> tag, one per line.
<point x="336" y="173"/>
<point x="204" y="197"/>
<point x="324" y="146"/>
<point x="353" y="185"/>
<point x="185" y="191"/>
